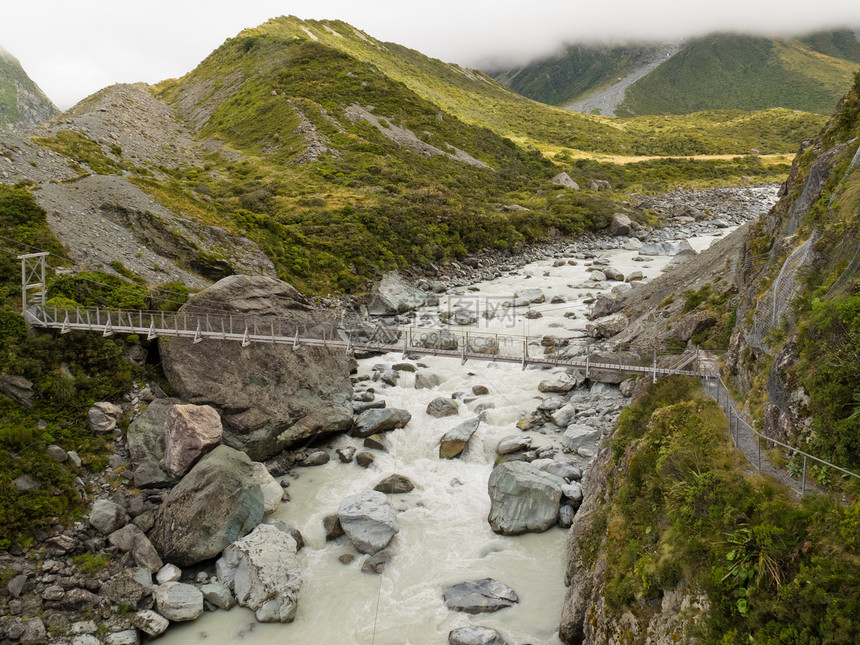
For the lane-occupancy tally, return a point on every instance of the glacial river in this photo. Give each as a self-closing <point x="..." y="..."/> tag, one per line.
<point x="444" y="536"/>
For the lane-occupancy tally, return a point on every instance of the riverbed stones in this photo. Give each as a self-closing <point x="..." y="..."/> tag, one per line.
<point x="523" y="498"/>
<point x="125" y="637"/>
<point x="475" y="635"/>
<point x="191" y="432"/>
<point x="150" y="622"/>
<point x="178" y="601"/>
<point x="394" y="485"/>
<point x="272" y="491"/>
<point x="132" y="587"/>
<point x="130" y="538"/>
<point x="216" y="503"/>
<point x="454" y="441"/>
<point x="558" y="383"/>
<point x="218" y="595"/>
<point x="394" y="295"/>
<point x="608" y="326"/>
<point x="369" y="520"/>
<point x="168" y="573"/>
<point x="514" y="443"/>
<point x="479" y="596"/>
<point x="263" y="571"/>
<point x="442" y="407"/>
<point x="332" y="527"/>
<point x="578" y="436"/>
<point x="620" y="225"/>
<point x="563" y="416"/>
<point x="103" y="417"/>
<point x="381" y="420"/>
<point x="106" y="516"/>
<point x="376" y="563"/>
<point x="346" y="455"/>
<point x="269" y="396"/>
<point x="426" y="381"/>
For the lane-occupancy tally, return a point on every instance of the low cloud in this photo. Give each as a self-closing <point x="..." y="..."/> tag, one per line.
<point x="74" y="49"/>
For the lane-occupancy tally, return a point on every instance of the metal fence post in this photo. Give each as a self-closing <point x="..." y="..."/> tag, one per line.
<point x="803" y="485"/>
<point x="758" y="442"/>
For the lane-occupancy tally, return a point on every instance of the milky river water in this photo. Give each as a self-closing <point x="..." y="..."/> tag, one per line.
<point x="444" y="536"/>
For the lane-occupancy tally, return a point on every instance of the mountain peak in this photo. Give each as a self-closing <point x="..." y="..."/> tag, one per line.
<point x="22" y="103"/>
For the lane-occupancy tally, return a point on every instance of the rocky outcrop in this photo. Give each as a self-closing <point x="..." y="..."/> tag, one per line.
<point x="369" y="521"/>
<point x="264" y="573"/>
<point x="17" y="388"/>
<point x="394" y="295"/>
<point x="215" y="504"/>
<point x="192" y="431"/>
<point x="269" y="396"/>
<point x="608" y="326"/>
<point x="523" y="498"/>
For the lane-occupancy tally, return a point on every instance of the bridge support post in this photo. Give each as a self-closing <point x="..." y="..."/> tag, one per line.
<point x="33" y="286"/>
<point x="803" y="485"/>
<point x="758" y="443"/>
<point x="654" y="366"/>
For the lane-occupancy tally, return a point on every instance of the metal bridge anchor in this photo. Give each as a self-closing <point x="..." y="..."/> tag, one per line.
<point x="197" y="337"/>
<point x="151" y="335"/>
<point x="108" y="330"/>
<point x="66" y="328"/>
<point x="245" y="340"/>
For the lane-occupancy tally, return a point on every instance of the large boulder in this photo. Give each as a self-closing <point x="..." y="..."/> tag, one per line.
<point x="523" y="498"/>
<point x="106" y="516"/>
<point x="372" y="422"/>
<point x="454" y="441"/>
<point x="103" y="417"/>
<point x="17" y="388"/>
<point x="215" y="504"/>
<point x="665" y="248"/>
<point x="479" y="596"/>
<point x="369" y="521"/>
<point x="131" y="588"/>
<point x="269" y="395"/>
<point x="272" y="491"/>
<point x="264" y="574"/>
<point x="146" y="438"/>
<point x="621" y="225"/>
<point x="578" y="436"/>
<point x="475" y="635"/>
<point x="394" y="295"/>
<point x="192" y="431"/>
<point x="563" y="179"/>
<point x="178" y="601"/>
<point x="131" y="539"/>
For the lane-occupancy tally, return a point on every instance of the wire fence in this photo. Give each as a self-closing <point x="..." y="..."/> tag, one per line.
<point x="751" y="442"/>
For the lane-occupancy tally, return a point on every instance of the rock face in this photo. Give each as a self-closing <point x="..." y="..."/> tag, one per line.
<point x="454" y="441"/>
<point x="263" y="571"/>
<point x="371" y="422"/>
<point x="394" y="295"/>
<point x="146" y="438"/>
<point x="178" y="602"/>
<point x="216" y="503"/>
<point x="479" y="596"/>
<point x="368" y="520"/>
<point x="17" y="388"/>
<point x="523" y="498"/>
<point x="269" y="396"/>
<point x="192" y="431"/>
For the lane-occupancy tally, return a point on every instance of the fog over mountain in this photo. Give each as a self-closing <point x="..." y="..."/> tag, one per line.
<point x="74" y="49"/>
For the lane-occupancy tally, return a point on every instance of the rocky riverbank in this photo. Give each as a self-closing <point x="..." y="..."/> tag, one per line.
<point x="149" y="554"/>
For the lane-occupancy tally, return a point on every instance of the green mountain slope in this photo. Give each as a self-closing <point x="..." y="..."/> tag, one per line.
<point x="475" y="98"/>
<point x="842" y="43"/>
<point x="21" y="100"/>
<point x="581" y="69"/>
<point x="728" y="71"/>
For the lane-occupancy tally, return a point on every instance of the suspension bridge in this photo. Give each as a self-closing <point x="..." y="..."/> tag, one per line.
<point x="207" y="325"/>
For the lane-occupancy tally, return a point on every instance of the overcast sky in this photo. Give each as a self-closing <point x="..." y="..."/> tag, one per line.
<point x="74" y="48"/>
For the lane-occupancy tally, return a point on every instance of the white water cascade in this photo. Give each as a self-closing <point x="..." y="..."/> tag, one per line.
<point x="444" y="536"/>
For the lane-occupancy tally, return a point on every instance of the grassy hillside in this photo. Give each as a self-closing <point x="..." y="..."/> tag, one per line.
<point x="727" y="71"/>
<point x="842" y="43"/>
<point x="579" y="70"/>
<point x="21" y="100"/>
<point x="475" y="98"/>
<point x="680" y="514"/>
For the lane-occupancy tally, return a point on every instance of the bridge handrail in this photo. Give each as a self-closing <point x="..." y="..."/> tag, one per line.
<point x="727" y="403"/>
